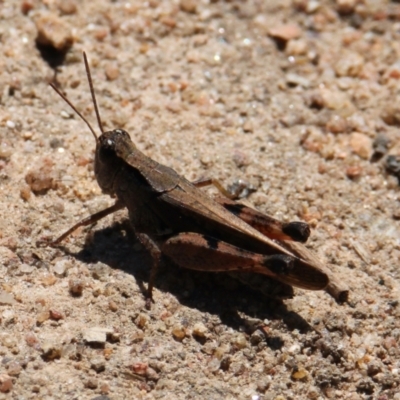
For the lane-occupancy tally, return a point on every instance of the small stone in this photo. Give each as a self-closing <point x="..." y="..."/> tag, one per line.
<point x="349" y="64"/>
<point x="373" y="368"/>
<point x="6" y="384"/>
<point x="98" y="364"/>
<point x="14" y="368"/>
<point x="100" y="271"/>
<point x="112" y="72"/>
<point x="5" y="150"/>
<point x="337" y="124"/>
<point x="392" y="164"/>
<point x="113" y="306"/>
<point x="361" y="145"/>
<point x="391" y="114"/>
<point x="354" y="171"/>
<point x="240" y="341"/>
<point x="61" y="267"/>
<point x="142" y="320"/>
<point x="389" y="342"/>
<point x="248" y="127"/>
<point x="152" y="375"/>
<point x="380" y="145"/>
<point x="31" y="339"/>
<point x="299" y="373"/>
<point x="41" y="180"/>
<point x="139" y="368"/>
<point x="25" y="192"/>
<point x="199" y="330"/>
<point x="27" y="6"/>
<point x="179" y="332"/>
<point x="7" y="299"/>
<point x="188" y="6"/>
<point x="76" y="287"/>
<point x="55" y="315"/>
<point x="263" y="384"/>
<point x="96" y="334"/>
<point x="346" y="6"/>
<point x="67" y="7"/>
<point x="214" y="364"/>
<point x="285" y="32"/>
<point x="49" y="280"/>
<point x="256" y="337"/>
<point x="92" y="383"/>
<point x="51" y="351"/>
<point x="42" y="317"/>
<point x="297" y="80"/>
<point x="54" y="32"/>
<point x="222" y="350"/>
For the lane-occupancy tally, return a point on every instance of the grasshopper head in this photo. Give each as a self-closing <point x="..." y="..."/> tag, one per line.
<point x="112" y="148"/>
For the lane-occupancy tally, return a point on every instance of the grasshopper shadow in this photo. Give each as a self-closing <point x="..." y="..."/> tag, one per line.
<point x="215" y="293"/>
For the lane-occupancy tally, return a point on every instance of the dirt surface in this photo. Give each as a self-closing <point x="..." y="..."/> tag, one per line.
<point x="299" y="99"/>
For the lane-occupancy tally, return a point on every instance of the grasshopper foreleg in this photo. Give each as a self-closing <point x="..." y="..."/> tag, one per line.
<point x="91" y="219"/>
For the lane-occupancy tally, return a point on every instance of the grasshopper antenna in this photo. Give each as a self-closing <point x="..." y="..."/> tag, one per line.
<point x="89" y="76"/>
<point x="93" y="97"/>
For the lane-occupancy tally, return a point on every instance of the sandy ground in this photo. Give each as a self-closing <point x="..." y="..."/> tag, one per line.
<point x="292" y="97"/>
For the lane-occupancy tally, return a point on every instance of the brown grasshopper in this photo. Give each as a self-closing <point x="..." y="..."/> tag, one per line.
<point x="174" y="219"/>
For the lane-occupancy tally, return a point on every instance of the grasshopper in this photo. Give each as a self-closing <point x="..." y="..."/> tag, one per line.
<point x="174" y="219"/>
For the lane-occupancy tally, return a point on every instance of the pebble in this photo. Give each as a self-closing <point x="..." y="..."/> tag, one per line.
<point x="297" y="80"/>
<point x="55" y="314"/>
<point x="214" y="364"/>
<point x="299" y="373"/>
<point x="112" y="72"/>
<point x="54" y="32"/>
<point x="92" y="383"/>
<point x="240" y="341"/>
<point x="6" y="384"/>
<point x="67" y="7"/>
<point x="41" y="179"/>
<point x="5" y="150"/>
<point x="391" y="114"/>
<point x="142" y="320"/>
<point x="346" y="6"/>
<point x="285" y="32"/>
<point x="76" y="287"/>
<point x="380" y="145"/>
<point x="7" y="299"/>
<point x="61" y="266"/>
<point x="179" y="332"/>
<point x="189" y="6"/>
<point x="361" y="145"/>
<point x="51" y="350"/>
<point x="98" y="364"/>
<point x="42" y="317"/>
<point x="96" y="334"/>
<point x="199" y="330"/>
<point x="349" y="64"/>
<point x="31" y="339"/>
<point x="337" y="124"/>
<point x="100" y="271"/>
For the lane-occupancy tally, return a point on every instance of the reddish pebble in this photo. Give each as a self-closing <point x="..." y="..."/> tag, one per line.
<point x="285" y="32"/>
<point x="6" y="384"/>
<point x="56" y="315"/>
<point x="139" y="368"/>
